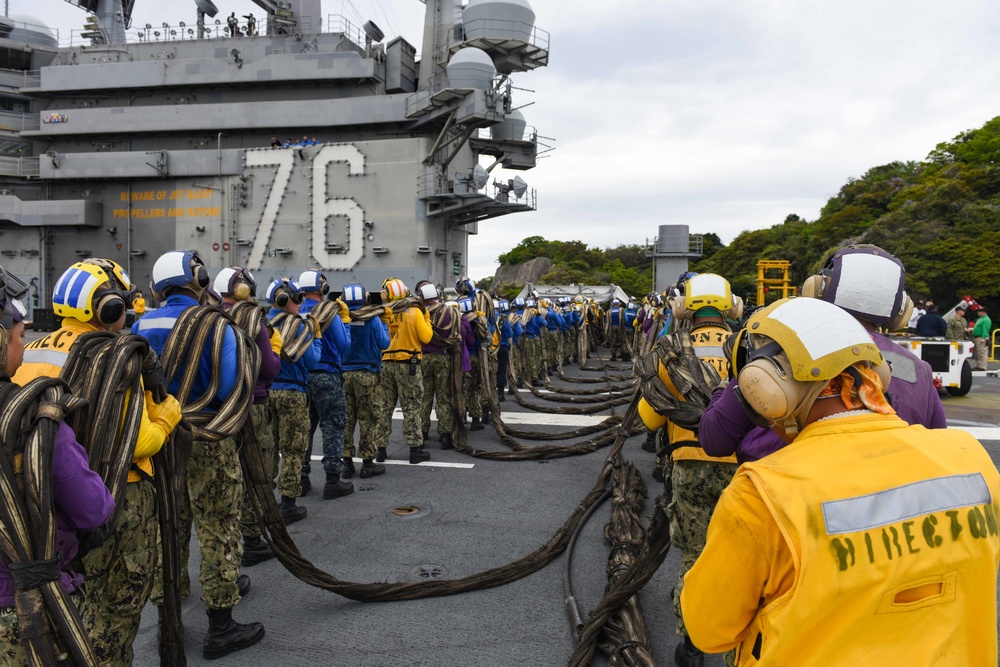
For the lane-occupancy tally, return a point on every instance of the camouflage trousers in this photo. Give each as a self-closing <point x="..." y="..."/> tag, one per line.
<point x="616" y="341"/>
<point x="697" y="486"/>
<point x="362" y="407"/>
<point x="532" y="362"/>
<point x="14" y="652"/>
<point x="290" y="428"/>
<point x="328" y="411"/>
<point x="402" y="382"/>
<point x="260" y="413"/>
<point x="472" y="389"/>
<point x="119" y="576"/>
<point x="553" y="344"/>
<point x="437" y="387"/>
<point x="569" y="344"/>
<point x="213" y="504"/>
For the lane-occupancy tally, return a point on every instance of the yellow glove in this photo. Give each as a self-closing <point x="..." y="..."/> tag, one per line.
<point x="276" y="342"/>
<point x="315" y="328"/>
<point x="166" y="414"/>
<point x="343" y="311"/>
<point x="386" y="314"/>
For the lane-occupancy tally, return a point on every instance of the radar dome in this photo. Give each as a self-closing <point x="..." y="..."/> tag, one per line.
<point x="498" y="19"/>
<point x="471" y="68"/>
<point x="510" y="128"/>
<point x="28" y="29"/>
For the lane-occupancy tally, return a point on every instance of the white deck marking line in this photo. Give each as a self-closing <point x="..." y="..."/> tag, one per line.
<point x="981" y="433"/>
<point x="536" y="418"/>
<point x="401" y="462"/>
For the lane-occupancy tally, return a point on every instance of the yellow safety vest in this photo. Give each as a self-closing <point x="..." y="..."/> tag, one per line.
<point x="46" y="357"/>
<point x="895" y="543"/>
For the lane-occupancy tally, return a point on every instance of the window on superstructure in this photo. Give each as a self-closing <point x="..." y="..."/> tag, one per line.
<point x="16" y="59"/>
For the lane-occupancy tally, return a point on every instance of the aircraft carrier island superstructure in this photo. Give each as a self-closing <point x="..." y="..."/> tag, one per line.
<point x="149" y="139"/>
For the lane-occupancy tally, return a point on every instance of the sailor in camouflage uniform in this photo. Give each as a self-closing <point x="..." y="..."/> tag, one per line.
<point x="214" y="477"/>
<point x="289" y="400"/>
<point x="362" y="370"/>
<point x="436" y="362"/>
<point x="697" y="479"/>
<point x="402" y="379"/>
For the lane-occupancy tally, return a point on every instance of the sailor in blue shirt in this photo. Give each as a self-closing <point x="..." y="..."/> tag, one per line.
<point x="362" y="371"/>
<point x="289" y="400"/>
<point x="328" y="408"/>
<point x="503" y="349"/>
<point x="214" y="495"/>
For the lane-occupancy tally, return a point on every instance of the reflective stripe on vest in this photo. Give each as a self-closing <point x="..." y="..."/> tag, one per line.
<point x="53" y="357"/>
<point x="853" y="515"/>
<point x="147" y="323"/>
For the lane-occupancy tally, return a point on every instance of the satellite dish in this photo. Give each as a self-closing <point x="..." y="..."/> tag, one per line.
<point x="480" y="177"/>
<point x="373" y="31"/>
<point x="207" y="6"/>
<point x="518" y="187"/>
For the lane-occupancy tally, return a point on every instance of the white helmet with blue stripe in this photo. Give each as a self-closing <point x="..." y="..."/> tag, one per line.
<point x="314" y="281"/>
<point x="179" y="268"/>
<point x="354" y="295"/>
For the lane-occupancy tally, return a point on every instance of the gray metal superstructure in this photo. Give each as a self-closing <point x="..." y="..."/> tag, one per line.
<point x="163" y="141"/>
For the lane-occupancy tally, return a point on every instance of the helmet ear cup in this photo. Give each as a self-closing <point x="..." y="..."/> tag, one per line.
<point x="324" y="286"/>
<point x="736" y="312"/>
<point x="241" y="291"/>
<point x="902" y="317"/>
<point x="678" y="309"/>
<point x="201" y="277"/>
<point x="109" y="308"/>
<point x="765" y="389"/>
<point x="814" y="286"/>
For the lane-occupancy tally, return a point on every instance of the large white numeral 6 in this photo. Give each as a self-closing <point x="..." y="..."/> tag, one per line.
<point x="324" y="207"/>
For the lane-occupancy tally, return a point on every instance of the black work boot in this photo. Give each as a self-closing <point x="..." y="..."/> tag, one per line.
<point x="417" y="455"/>
<point x="446" y="442"/>
<point x="658" y="474"/>
<point x="306" y="485"/>
<point x="500" y="395"/>
<point x="347" y="469"/>
<point x="650" y="444"/>
<point x="380" y="454"/>
<point x="369" y="469"/>
<point x="243" y="584"/>
<point x="477" y="425"/>
<point x="510" y="390"/>
<point x="334" y="488"/>
<point x="486" y="415"/>
<point x="255" y="550"/>
<point x="687" y="655"/>
<point x="226" y="635"/>
<point x="290" y="512"/>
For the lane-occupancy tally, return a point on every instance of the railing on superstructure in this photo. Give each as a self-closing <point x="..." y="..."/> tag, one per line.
<point x="22" y="167"/>
<point x="185" y="32"/>
<point x="12" y="78"/>
<point x="430" y="185"/>
<point x="14" y="121"/>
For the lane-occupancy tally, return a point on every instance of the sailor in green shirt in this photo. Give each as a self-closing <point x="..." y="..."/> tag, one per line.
<point x="981" y="337"/>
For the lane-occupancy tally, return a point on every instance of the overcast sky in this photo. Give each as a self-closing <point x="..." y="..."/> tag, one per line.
<point x="723" y="115"/>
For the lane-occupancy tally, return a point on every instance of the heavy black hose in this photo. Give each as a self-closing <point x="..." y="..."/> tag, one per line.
<point x="572" y="608"/>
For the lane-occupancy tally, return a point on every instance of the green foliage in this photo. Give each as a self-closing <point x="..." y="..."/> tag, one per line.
<point x="941" y="217"/>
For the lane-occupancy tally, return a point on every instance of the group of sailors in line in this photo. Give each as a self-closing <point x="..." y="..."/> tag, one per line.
<point x="823" y="511"/>
<point x="819" y="483"/>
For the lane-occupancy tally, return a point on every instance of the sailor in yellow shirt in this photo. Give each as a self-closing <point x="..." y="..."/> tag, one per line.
<point x="402" y="379"/>
<point x="139" y="305"/>
<point x="696" y="479"/>
<point x="865" y="541"/>
<point x="93" y="295"/>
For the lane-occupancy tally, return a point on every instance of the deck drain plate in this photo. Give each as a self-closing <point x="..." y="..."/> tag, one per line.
<point x="367" y="486"/>
<point x="428" y="572"/>
<point x="409" y="511"/>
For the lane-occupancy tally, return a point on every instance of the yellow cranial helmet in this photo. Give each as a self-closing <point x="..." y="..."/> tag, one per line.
<point x="795" y="347"/>
<point x="394" y="289"/>
<point x="93" y="289"/>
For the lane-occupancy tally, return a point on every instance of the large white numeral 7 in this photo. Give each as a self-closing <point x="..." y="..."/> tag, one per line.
<point x="284" y="159"/>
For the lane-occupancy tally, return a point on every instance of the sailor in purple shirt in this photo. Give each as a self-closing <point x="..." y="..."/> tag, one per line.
<point x="81" y="500"/>
<point x="867" y="282"/>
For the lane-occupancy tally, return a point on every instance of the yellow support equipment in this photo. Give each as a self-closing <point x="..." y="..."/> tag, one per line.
<point x="768" y="280"/>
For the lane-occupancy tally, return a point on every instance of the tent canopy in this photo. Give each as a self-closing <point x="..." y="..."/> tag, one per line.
<point x="598" y="293"/>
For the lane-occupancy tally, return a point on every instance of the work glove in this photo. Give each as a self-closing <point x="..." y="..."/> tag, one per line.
<point x="386" y="314"/>
<point x="152" y="370"/>
<point x="276" y="342"/>
<point x="92" y="539"/>
<point x="343" y="311"/>
<point x="166" y="414"/>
